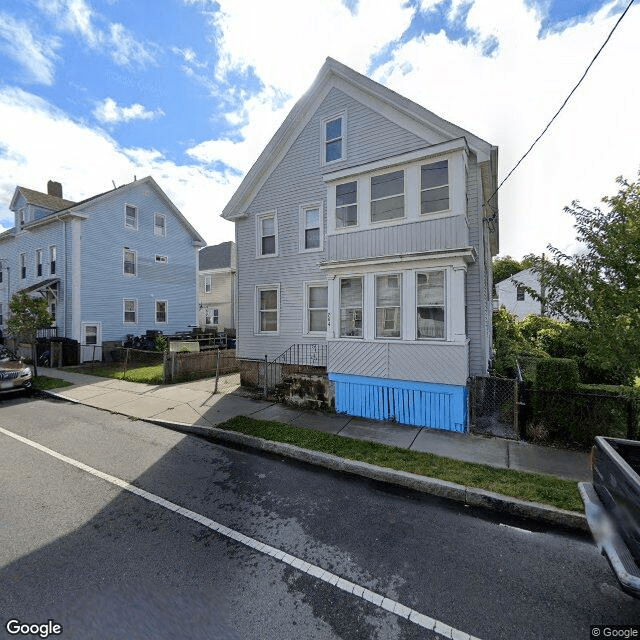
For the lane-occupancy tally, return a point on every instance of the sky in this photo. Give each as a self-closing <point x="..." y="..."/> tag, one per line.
<point x="96" y="92"/>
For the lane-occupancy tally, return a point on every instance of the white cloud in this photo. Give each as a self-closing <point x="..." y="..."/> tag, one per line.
<point x="110" y="112"/>
<point x="36" y="54"/>
<point x="44" y="143"/>
<point x="76" y="16"/>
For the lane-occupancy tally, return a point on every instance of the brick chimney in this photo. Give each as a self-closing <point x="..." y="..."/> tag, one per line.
<point x="54" y="189"/>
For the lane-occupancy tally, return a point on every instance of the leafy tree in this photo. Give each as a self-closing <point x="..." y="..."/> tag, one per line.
<point x="26" y="316"/>
<point x="597" y="289"/>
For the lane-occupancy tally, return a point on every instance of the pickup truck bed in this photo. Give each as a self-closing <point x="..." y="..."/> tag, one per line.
<point x="612" y="507"/>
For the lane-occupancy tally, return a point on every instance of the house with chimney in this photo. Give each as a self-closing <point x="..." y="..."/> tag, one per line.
<point x="365" y="232"/>
<point x="121" y="262"/>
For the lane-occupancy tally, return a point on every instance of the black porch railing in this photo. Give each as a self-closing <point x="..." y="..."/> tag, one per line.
<point x="314" y="355"/>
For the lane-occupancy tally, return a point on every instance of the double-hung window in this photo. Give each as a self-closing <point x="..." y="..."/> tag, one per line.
<point x="430" y="304"/>
<point x="159" y="225"/>
<point x="23" y="266"/>
<point x="211" y="316"/>
<point x="130" y="216"/>
<point x="388" y="306"/>
<point x="333" y="140"/>
<point x="267" y="308"/>
<point x="39" y="262"/>
<point x="317" y="306"/>
<point x="351" y="307"/>
<point x="207" y="284"/>
<point x="267" y="235"/>
<point x="310" y="228"/>
<point x="520" y="294"/>
<point x="346" y="205"/>
<point x="434" y="187"/>
<point x="53" y="253"/>
<point x="161" y="311"/>
<point x="387" y="196"/>
<point x="129" y="264"/>
<point x="130" y="309"/>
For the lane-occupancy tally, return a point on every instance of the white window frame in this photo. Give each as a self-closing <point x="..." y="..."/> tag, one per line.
<point x="128" y="226"/>
<point x="259" y="218"/>
<point x="207" y="284"/>
<point x="124" y="310"/>
<point x="53" y="255"/>
<point x="160" y="231"/>
<point x="135" y="262"/>
<point x="166" y="311"/>
<point x="347" y="227"/>
<point x="212" y="316"/>
<point x="302" y="222"/>
<point x="39" y="264"/>
<point x="306" y="325"/>
<point x="444" y="305"/>
<point x="162" y="259"/>
<point x="403" y="170"/>
<point x="447" y="185"/>
<point x="23" y="266"/>
<point x="259" y="289"/>
<point x="343" y="137"/>
<point x="376" y="306"/>
<point x="362" y="306"/>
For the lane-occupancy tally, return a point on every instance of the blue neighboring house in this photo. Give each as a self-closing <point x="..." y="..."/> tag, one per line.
<point x="365" y="230"/>
<point x="120" y="262"/>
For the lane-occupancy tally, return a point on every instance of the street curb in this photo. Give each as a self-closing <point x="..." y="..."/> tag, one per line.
<point x="471" y="496"/>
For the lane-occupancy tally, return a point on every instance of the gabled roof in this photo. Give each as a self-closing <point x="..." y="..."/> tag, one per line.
<point x="334" y="73"/>
<point x="217" y="256"/>
<point x="39" y="199"/>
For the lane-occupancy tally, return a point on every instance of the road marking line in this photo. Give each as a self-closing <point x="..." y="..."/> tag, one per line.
<point x="322" y="574"/>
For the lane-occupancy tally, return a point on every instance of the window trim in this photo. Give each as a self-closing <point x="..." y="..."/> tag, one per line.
<point x="385" y="274"/>
<point x="362" y="307"/>
<point x="259" y="218"/>
<point x="53" y="255"/>
<point x="166" y="311"/>
<point x="346" y="228"/>
<point x="257" y="324"/>
<point x="520" y="293"/>
<point x="23" y="266"/>
<point x="126" y="226"/>
<point x="135" y="262"/>
<point x="162" y="228"/>
<point x="404" y="196"/>
<point x="207" y="283"/>
<point x="212" y="313"/>
<point x="124" y="311"/>
<point x="306" y="322"/>
<point x="445" y="337"/>
<point x="448" y="185"/>
<point x="343" y="138"/>
<point x="160" y="259"/>
<point x="302" y="222"/>
<point x="39" y="263"/>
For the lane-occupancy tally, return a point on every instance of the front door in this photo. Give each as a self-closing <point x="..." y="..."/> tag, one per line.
<point x="91" y="342"/>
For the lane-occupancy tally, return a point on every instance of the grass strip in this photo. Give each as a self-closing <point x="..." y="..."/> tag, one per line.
<point x="43" y="383"/>
<point x="532" y="487"/>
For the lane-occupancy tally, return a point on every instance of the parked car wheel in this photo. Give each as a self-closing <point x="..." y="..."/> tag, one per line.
<point x="15" y="375"/>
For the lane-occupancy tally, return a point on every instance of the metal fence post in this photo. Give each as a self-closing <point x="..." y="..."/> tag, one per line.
<point x="215" y="389"/>
<point x="126" y="359"/>
<point x="265" y="375"/>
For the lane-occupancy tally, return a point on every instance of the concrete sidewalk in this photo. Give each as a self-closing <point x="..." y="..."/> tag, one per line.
<point x="194" y="404"/>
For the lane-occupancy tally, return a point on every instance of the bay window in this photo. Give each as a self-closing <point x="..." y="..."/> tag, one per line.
<point x="387" y="196"/>
<point x="434" y="187"/>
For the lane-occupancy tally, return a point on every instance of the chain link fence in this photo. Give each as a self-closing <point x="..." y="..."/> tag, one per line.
<point x="493" y="407"/>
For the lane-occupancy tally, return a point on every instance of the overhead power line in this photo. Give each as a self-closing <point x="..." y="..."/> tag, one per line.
<point x="557" y="113"/>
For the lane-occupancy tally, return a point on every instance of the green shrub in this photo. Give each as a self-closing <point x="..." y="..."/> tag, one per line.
<point x="553" y="374"/>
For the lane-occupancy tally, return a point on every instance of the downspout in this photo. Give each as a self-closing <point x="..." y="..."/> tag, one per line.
<point x="66" y="281"/>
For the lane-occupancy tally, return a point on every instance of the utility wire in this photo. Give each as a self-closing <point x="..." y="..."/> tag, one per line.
<point x="615" y="26"/>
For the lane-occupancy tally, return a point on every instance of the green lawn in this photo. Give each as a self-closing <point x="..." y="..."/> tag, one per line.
<point x="549" y="490"/>
<point x="151" y="374"/>
<point x="42" y="383"/>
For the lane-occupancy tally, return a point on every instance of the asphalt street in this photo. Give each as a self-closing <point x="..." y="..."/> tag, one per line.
<point x="104" y="562"/>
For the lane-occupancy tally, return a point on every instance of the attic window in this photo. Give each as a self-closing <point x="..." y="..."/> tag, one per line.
<point x="130" y="217"/>
<point x="159" y="225"/>
<point x="333" y="136"/>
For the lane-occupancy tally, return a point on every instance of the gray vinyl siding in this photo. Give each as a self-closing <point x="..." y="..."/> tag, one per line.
<point x="104" y="284"/>
<point x="296" y="181"/>
<point x="412" y="237"/>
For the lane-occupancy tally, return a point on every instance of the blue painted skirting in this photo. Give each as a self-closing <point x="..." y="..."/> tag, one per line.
<point x="423" y="404"/>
